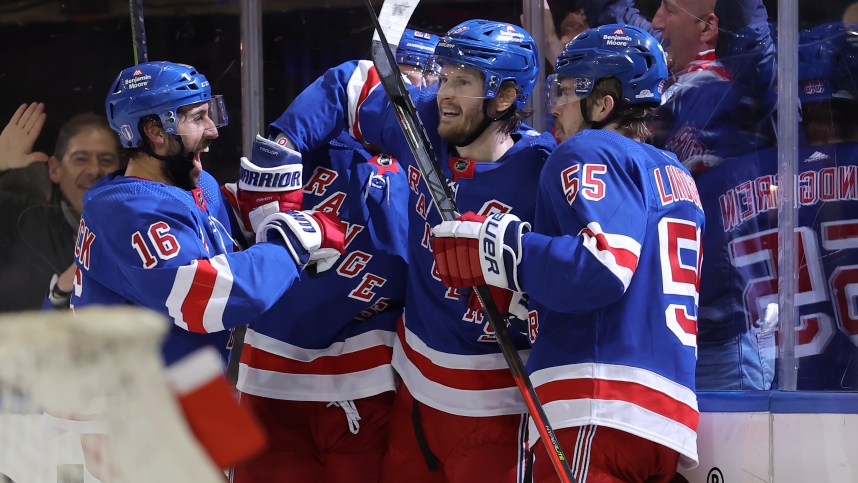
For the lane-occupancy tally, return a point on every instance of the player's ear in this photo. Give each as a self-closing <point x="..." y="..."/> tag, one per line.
<point x="602" y="108"/>
<point x="153" y="133"/>
<point x="505" y="97"/>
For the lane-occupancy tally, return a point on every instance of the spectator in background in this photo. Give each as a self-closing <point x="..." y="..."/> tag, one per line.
<point x="573" y="22"/>
<point x="720" y="99"/>
<point x="739" y="285"/>
<point x="37" y="235"/>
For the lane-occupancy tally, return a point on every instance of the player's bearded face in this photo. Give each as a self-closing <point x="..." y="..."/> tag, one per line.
<point x="197" y="131"/>
<point x="460" y="104"/>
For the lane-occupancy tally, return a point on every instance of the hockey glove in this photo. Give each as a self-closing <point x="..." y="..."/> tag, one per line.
<point x="271" y="183"/>
<point x="509" y="303"/>
<point x="478" y="250"/>
<point x="312" y="237"/>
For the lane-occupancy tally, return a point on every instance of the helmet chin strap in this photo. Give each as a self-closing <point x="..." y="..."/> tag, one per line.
<point x="177" y="167"/>
<point x="486" y="122"/>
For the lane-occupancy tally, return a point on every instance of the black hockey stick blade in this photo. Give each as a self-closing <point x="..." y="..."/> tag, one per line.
<point x="138" y="31"/>
<point x="418" y="141"/>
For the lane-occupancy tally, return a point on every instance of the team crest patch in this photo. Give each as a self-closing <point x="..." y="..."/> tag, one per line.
<point x="461" y="168"/>
<point x="384" y="163"/>
<point x="199" y="198"/>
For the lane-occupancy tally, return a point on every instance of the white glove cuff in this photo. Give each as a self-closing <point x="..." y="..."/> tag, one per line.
<point x="277" y="179"/>
<point x="500" y="252"/>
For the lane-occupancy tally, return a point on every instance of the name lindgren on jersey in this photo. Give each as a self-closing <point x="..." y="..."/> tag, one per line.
<point x="157" y="246"/>
<point x="611" y="268"/>
<point x="445" y="352"/>
<point x="330" y="337"/>
<point x="740" y="271"/>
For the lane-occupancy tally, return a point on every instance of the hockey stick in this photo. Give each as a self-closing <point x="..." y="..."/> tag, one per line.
<point x="418" y="141"/>
<point x="138" y="31"/>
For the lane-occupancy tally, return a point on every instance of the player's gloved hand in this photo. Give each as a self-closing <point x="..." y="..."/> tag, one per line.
<point x="270" y="183"/>
<point x="312" y="237"/>
<point x="509" y="303"/>
<point x="478" y="250"/>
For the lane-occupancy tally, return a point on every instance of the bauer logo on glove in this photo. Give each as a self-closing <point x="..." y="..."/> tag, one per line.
<point x="312" y="237"/>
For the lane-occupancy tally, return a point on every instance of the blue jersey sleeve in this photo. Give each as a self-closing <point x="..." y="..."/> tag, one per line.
<point x="348" y="97"/>
<point x="155" y="250"/>
<point x="596" y="206"/>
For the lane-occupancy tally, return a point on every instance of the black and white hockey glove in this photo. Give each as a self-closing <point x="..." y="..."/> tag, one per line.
<point x="312" y="237"/>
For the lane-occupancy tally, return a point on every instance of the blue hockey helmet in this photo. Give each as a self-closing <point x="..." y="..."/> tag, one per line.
<point x="501" y="51"/>
<point x="828" y="62"/>
<point x="415" y="48"/>
<point x="627" y="53"/>
<point x="157" y="88"/>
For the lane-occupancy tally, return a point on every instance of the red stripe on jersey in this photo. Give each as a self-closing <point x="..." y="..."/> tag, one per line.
<point x="465" y="379"/>
<point x="361" y="360"/>
<point x="632" y="392"/>
<point x="372" y="80"/>
<point x="624" y="258"/>
<point x="194" y="305"/>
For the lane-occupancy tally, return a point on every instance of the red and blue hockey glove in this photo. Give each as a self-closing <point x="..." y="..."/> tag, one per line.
<point x="509" y="303"/>
<point x="312" y="237"/>
<point x="478" y="250"/>
<point x="271" y="183"/>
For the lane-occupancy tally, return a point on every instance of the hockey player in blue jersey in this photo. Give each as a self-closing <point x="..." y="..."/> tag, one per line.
<point x="611" y="267"/>
<point x="739" y="283"/>
<point x="457" y="415"/>
<point x="316" y="368"/>
<point x="325" y="394"/>
<point x="157" y="236"/>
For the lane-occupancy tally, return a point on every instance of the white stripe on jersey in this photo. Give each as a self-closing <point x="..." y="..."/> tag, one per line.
<point x="457" y="361"/>
<point x="186" y="278"/>
<point x="213" y="317"/>
<point x="181" y="286"/>
<point x="625" y="415"/>
<point x="316" y="387"/>
<point x="356" y="343"/>
<point x="475" y="403"/>
<point x="611" y="372"/>
<point x="354" y="89"/>
<point x="618" y="253"/>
